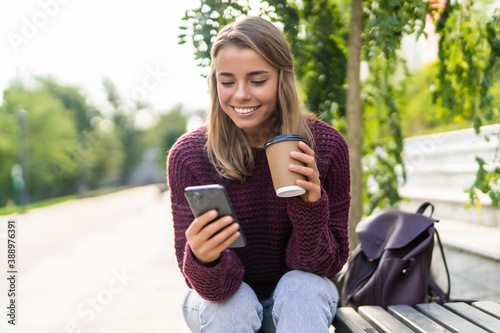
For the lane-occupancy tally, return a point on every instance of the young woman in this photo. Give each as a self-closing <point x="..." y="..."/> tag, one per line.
<point x="280" y="281"/>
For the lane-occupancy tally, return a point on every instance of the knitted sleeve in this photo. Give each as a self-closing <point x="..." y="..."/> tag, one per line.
<point x="319" y="242"/>
<point x="221" y="281"/>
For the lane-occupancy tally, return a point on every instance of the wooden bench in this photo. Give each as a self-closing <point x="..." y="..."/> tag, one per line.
<point x="482" y="316"/>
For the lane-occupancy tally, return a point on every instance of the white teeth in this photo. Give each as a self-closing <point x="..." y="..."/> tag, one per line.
<point x="244" y="110"/>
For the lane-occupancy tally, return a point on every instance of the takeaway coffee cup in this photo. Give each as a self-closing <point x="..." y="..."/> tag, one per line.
<point x="278" y="151"/>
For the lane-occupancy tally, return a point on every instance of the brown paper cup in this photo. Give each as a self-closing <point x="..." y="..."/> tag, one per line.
<point x="278" y="156"/>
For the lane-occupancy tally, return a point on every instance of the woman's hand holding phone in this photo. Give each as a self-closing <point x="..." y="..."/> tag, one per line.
<point x="207" y="239"/>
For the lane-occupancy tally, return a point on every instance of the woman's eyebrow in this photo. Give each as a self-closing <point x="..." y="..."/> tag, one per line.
<point x="248" y="74"/>
<point x="257" y="73"/>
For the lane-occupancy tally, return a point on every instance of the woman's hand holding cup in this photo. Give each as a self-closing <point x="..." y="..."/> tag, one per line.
<point x="293" y="167"/>
<point x="312" y="184"/>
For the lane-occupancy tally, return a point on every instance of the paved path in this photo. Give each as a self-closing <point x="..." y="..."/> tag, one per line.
<point x="103" y="264"/>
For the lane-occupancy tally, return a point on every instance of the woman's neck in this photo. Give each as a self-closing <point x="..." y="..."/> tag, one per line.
<point x="257" y="138"/>
<point x="257" y="141"/>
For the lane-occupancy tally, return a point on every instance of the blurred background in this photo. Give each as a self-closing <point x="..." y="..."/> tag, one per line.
<point x="95" y="93"/>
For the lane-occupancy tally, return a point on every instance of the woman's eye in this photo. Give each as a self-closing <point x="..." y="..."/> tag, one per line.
<point x="226" y="83"/>
<point x="258" y="83"/>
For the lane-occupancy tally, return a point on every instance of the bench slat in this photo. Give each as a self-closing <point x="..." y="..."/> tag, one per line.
<point x="490" y="307"/>
<point x="474" y="315"/>
<point x="382" y="320"/>
<point x="414" y="319"/>
<point x="347" y="320"/>
<point x="448" y="319"/>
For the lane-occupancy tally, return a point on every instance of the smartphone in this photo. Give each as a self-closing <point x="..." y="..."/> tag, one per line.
<point x="203" y="198"/>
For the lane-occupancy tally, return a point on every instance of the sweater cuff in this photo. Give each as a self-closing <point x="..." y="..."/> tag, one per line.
<point x="215" y="283"/>
<point x="193" y="265"/>
<point x="205" y="264"/>
<point x="305" y="214"/>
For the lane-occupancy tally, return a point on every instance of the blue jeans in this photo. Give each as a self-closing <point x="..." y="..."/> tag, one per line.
<point x="302" y="302"/>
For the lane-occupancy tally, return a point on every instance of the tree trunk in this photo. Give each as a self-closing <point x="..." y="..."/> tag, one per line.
<point x="353" y="115"/>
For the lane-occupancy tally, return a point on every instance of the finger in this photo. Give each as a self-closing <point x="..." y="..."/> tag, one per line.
<point x="308" y="186"/>
<point x="302" y="157"/>
<point x="306" y="149"/>
<point x="200" y="222"/>
<point x="218" y="242"/>
<point x="230" y="240"/>
<point x="311" y="174"/>
<point x="210" y="249"/>
<point x="307" y="157"/>
<point x="210" y="230"/>
<point x="313" y="191"/>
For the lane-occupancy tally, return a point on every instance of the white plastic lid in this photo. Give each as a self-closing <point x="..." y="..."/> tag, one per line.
<point x="290" y="191"/>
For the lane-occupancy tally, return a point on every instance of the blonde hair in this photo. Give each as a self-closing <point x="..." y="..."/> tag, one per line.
<point x="227" y="146"/>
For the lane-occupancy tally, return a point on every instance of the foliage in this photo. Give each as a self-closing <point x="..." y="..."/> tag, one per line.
<point x="322" y="63"/>
<point x="50" y="135"/>
<point x="469" y="51"/>
<point x="70" y="144"/>
<point x="103" y="153"/>
<point x="319" y="49"/>
<point x="73" y="100"/>
<point x="318" y="33"/>
<point x="82" y="115"/>
<point x="487" y="182"/>
<point x="385" y="24"/>
<point x="128" y="134"/>
<point x="417" y="103"/>
<point x="169" y="127"/>
<point x="419" y="110"/>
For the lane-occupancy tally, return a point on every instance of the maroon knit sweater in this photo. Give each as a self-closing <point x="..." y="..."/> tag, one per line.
<point x="282" y="234"/>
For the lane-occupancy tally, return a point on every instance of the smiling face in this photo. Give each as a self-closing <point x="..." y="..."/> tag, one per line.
<point x="247" y="88"/>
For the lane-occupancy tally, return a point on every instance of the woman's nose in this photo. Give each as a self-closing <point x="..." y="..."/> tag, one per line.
<point x="242" y="92"/>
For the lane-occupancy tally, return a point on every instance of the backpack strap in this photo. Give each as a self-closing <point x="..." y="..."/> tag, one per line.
<point x="424" y="206"/>
<point x="441" y="296"/>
